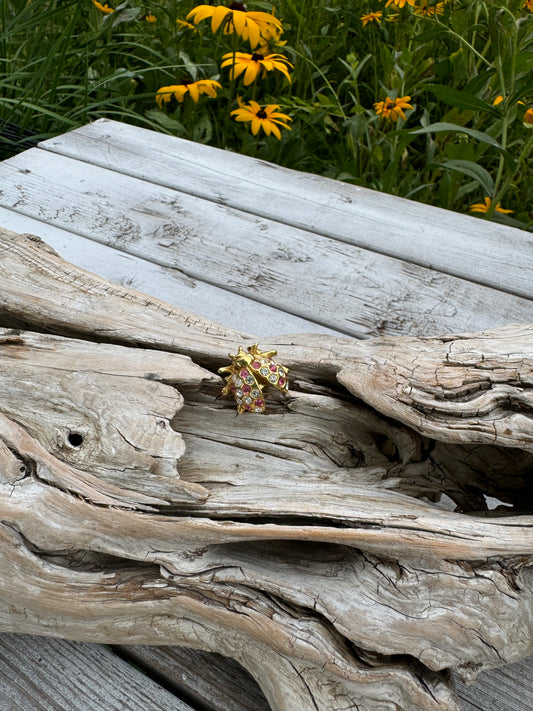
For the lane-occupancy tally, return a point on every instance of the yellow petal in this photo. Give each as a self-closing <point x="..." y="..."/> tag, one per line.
<point x="218" y="15"/>
<point x="194" y="92"/>
<point x="252" y="70"/>
<point x="239" y="21"/>
<point x="197" y="14"/>
<point x="180" y="91"/>
<point x="276" y="131"/>
<point x="237" y="70"/>
<point x="256" y="125"/>
<point x="254" y="33"/>
<point x="283" y="69"/>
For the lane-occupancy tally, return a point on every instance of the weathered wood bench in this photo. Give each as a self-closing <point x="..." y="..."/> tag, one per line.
<point x="261" y="249"/>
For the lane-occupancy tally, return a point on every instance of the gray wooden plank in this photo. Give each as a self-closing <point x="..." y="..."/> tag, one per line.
<point x="221" y="684"/>
<point x="355" y="291"/>
<point x="480" y="251"/>
<point x="211" y="681"/>
<point x="40" y="674"/>
<point x="171" y="285"/>
<point x="508" y="688"/>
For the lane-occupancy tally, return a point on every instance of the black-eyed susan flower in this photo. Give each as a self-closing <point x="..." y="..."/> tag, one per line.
<point x="194" y="88"/>
<point x="254" y="65"/>
<point x="529" y="5"/>
<point x="392" y="109"/>
<point x="103" y="8"/>
<point x="267" y="118"/>
<point x="150" y="18"/>
<point x="485" y="206"/>
<point x="426" y="10"/>
<point x="251" y="26"/>
<point x="371" y="17"/>
<point x="527" y="118"/>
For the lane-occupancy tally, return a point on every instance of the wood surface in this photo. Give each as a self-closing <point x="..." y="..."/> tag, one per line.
<point x="356" y="291"/>
<point x="501" y="257"/>
<point x="237" y="311"/>
<point x="308" y="545"/>
<point x="40" y="674"/>
<point x="498" y="255"/>
<point x="210" y="681"/>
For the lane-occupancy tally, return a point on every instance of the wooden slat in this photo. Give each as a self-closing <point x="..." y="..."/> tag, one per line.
<point x="329" y="282"/>
<point x="213" y="682"/>
<point x="220" y="684"/>
<point x="509" y="688"/>
<point x="171" y="285"/>
<point x="39" y="674"/>
<point x="496" y="255"/>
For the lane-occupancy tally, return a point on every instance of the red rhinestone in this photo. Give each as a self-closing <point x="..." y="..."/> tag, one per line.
<point x="246" y="388"/>
<point x="256" y="365"/>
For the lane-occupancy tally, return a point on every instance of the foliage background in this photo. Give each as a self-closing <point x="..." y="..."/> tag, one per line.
<point x="65" y="63"/>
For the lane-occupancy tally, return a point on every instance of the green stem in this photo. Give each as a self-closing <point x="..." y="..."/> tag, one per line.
<point x="465" y="43"/>
<point x="498" y="194"/>
<point x="317" y="69"/>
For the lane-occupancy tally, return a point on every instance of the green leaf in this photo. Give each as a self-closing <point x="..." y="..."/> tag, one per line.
<point x="166" y="122"/>
<point x="190" y="66"/>
<point x="472" y="170"/>
<point x="479" y="135"/>
<point x="461" y="99"/>
<point x="432" y="34"/>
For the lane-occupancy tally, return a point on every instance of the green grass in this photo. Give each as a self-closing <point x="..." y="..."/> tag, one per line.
<point x="65" y="63"/>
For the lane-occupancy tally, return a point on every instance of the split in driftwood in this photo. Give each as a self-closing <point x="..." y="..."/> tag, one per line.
<point x="312" y="543"/>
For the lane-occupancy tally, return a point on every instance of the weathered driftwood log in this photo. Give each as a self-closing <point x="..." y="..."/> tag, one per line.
<point x="311" y="543"/>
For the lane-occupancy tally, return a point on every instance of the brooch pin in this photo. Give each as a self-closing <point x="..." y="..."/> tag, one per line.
<point x="249" y="373"/>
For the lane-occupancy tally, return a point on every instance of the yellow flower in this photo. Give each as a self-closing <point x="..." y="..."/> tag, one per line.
<point x="427" y="10"/>
<point x="103" y="8"/>
<point x="184" y="25"/>
<point x="400" y="3"/>
<point x="267" y="118"/>
<point x="529" y="5"/>
<point x="498" y="100"/>
<point x="391" y="109"/>
<point x="528" y="118"/>
<point x="484" y="207"/>
<point x="371" y="17"/>
<point x="251" y="26"/>
<point x="150" y="18"/>
<point x="254" y="64"/>
<point x="194" y="88"/>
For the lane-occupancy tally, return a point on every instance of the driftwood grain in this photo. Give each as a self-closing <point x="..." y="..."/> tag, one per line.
<point x="339" y="547"/>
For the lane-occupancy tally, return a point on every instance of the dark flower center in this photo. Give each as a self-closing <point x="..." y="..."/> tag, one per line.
<point x="238" y="6"/>
<point x="262" y="114"/>
<point x="185" y="82"/>
<point x="257" y="57"/>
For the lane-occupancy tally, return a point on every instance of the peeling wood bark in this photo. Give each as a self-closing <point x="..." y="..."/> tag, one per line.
<point x="311" y="544"/>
